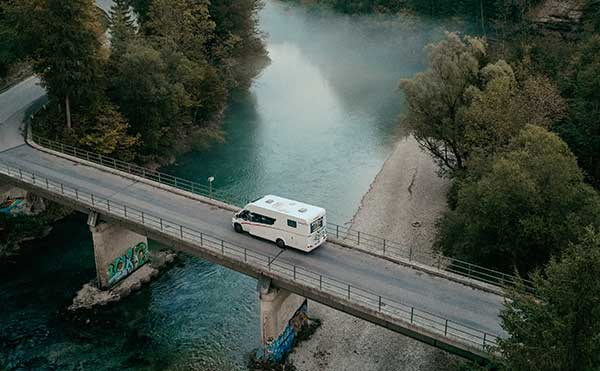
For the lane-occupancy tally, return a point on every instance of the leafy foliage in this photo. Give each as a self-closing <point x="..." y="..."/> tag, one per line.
<point x="461" y="106"/>
<point x="582" y="128"/>
<point x="559" y="329"/>
<point x="529" y="205"/>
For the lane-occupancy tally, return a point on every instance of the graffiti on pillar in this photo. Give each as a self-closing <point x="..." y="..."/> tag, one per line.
<point x="11" y="205"/>
<point x="124" y="265"/>
<point x="278" y="348"/>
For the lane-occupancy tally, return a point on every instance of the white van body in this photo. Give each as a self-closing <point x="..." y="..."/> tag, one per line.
<point x="285" y="222"/>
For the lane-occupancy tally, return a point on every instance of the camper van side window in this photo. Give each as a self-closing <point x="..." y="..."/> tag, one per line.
<point x="257" y="218"/>
<point x="292" y="224"/>
<point x="267" y="220"/>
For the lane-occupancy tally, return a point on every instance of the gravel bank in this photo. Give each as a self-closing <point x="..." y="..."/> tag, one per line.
<point x="406" y="193"/>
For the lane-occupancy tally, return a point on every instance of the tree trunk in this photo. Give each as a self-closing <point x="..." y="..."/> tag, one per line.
<point x="68" y="111"/>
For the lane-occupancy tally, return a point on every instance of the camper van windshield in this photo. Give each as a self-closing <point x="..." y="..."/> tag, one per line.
<point x="316" y="225"/>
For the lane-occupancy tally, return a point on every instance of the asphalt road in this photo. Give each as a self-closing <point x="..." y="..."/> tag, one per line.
<point x="448" y="299"/>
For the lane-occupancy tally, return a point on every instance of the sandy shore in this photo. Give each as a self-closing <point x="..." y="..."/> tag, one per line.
<point x="404" y="201"/>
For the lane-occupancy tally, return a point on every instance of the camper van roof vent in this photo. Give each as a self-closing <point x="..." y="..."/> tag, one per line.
<point x="303" y="210"/>
<point x="269" y="201"/>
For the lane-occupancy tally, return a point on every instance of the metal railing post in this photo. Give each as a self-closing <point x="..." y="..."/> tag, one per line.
<point x="143" y="218"/>
<point x="62" y="189"/>
<point x="92" y="196"/>
<point x="320" y="282"/>
<point x="294" y="272"/>
<point x="222" y="247"/>
<point x="410" y="253"/>
<point x="181" y="230"/>
<point x="348" y="292"/>
<point x="125" y="210"/>
<point x="484" y="335"/>
<point x="245" y="255"/>
<point x="446" y="329"/>
<point x="76" y="194"/>
<point x="380" y="303"/>
<point x="337" y="231"/>
<point x="412" y="314"/>
<point x="161" y="225"/>
<point x="384" y="246"/>
<point x="108" y="204"/>
<point x="201" y="239"/>
<point x="359" y="237"/>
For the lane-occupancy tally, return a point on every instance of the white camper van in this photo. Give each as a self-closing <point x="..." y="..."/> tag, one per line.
<point x="285" y="222"/>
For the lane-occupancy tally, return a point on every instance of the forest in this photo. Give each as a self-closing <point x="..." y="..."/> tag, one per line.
<point x="193" y="54"/>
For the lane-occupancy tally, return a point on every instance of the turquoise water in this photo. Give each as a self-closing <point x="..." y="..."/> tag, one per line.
<point x="316" y="126"/>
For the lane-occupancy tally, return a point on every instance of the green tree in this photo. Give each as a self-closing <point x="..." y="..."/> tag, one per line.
<point x="436" y="98"/>
<point x="526" y="206"/>
<point x="497" y="112"/>
<point x="11" y="50"/>
<point x="559" y="328"/>
<point x="461" y="107"/>
<point x="122" y="27"/>
<point x="154" y="102"/>
<point x="582" y="129"/>
<point x="64" y="40"/>
<point x="105" y="131"/>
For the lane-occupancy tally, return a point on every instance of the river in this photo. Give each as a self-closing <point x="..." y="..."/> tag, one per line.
<point x="316" y="125"/>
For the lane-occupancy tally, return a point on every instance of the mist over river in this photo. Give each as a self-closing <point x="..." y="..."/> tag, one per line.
<point x="316" y="126"/>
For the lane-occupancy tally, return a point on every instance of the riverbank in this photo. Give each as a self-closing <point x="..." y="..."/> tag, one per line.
<point x="402" y="204"/>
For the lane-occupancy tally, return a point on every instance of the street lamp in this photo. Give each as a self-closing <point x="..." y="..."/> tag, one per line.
<point x="211" y="179"/>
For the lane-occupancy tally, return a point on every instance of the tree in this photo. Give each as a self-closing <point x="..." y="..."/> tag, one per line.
<point x="154" y="102"/>
<point x="11" y="50"/>
<point x="582" y="129"/>
<point x="105" y="132"/>
<point x="122" y="27"/>
<point x="436" y="98"/>
<point x="526" y="205"/>
<point x="461" y="107"/>
<point x="63" y="37"/>
<point x="559" y="328"/>
<point x="497" y="112"/>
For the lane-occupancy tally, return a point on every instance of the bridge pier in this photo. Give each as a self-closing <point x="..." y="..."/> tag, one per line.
<point x="118" y="251"/>
<point x="282" y="316"/>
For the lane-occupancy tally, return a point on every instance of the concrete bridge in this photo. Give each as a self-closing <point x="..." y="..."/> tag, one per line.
<point x="433" y="301"/>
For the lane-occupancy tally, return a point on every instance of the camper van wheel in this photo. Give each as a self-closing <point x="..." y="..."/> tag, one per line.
<point x="280" y="243"/>
<point x="238" y="228"/>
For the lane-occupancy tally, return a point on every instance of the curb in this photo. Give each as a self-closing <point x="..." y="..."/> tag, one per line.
<point x="478" y="285"/>
<point x="136" y="178"/>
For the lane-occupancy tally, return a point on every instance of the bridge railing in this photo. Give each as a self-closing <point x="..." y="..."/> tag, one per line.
<point x="133" y="169"/>
<point x="342" y="291"/>
<point x="395" y="250"/>
<point x="373" y="244"/>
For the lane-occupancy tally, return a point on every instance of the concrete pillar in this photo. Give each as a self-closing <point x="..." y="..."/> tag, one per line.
<point x="282" y="315"/>
<point x="118" y="251"/>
